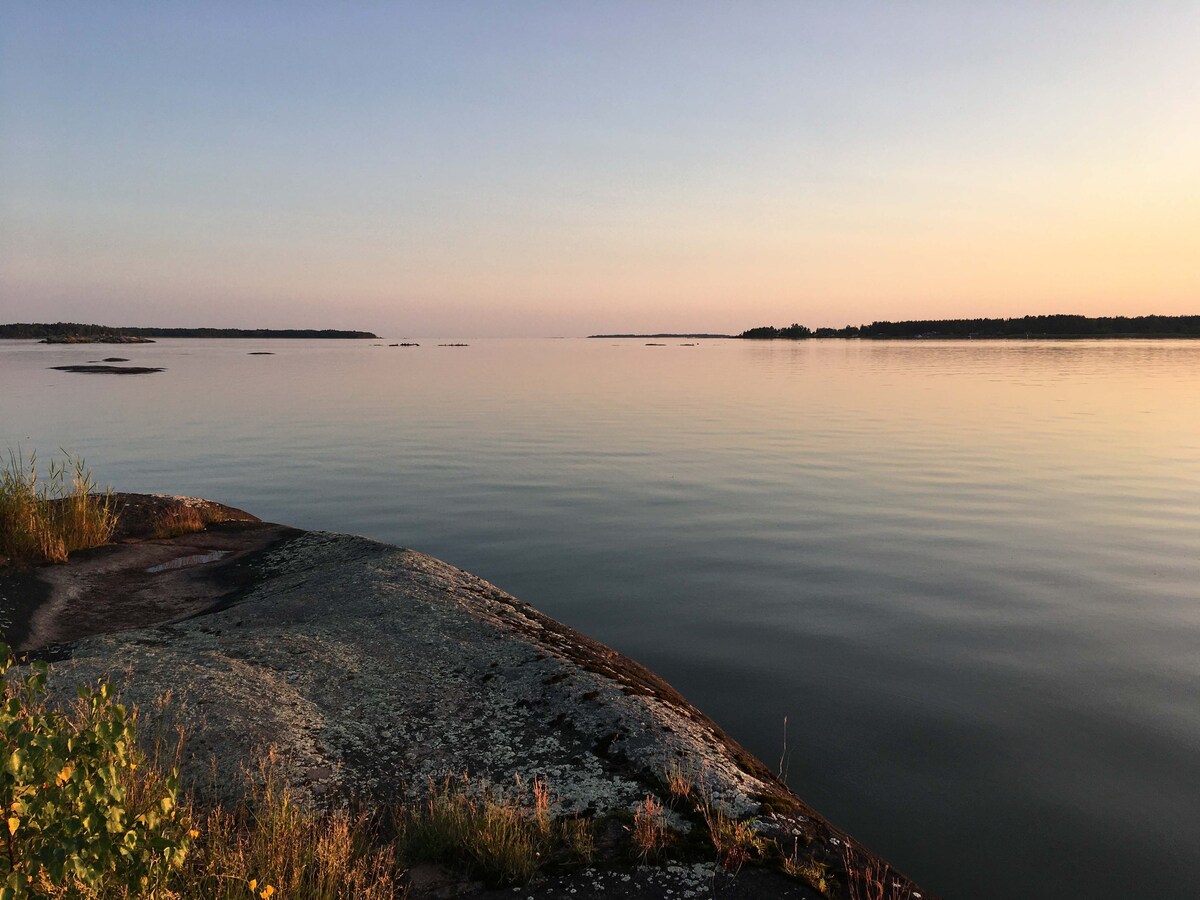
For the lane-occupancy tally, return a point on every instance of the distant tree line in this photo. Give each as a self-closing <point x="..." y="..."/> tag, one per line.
<point x="1063" y="326"/>
<point x="793" y="332"/>
<point x="76" y="329"/>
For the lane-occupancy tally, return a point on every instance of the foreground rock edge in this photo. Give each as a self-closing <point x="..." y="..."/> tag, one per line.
<point x="372" y="669"/>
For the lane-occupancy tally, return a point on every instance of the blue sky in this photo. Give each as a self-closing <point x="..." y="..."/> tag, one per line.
<point x="560" y="168"/>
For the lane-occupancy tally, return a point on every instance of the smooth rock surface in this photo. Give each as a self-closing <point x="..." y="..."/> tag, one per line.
<point x="371" y="668"/>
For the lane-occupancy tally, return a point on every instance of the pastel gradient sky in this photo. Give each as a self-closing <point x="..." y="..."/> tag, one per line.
<point x="476" y="169"/>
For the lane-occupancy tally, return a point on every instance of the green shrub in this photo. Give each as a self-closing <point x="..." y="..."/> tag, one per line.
<point x="79" y="818"/>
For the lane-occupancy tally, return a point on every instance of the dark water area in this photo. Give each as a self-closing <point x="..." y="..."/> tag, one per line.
<point x="967" y="573"/>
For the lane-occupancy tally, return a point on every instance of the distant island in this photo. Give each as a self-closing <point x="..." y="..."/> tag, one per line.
<point x="1056" y="326"/>
<point x="662" y="335"/>
<point x="77" y="333"/>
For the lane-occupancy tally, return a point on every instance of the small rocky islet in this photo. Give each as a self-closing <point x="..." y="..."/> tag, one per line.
<point x="372" y="669"/>
<point x="90" y="369"/>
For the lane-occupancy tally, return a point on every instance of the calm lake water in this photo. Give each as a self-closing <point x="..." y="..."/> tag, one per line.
<point x="966" y="572"/>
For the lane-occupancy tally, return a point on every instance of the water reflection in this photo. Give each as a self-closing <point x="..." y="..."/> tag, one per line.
<point x="965" y="572"/>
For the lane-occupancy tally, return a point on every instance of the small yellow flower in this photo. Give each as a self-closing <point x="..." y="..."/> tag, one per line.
<point x="266" y="892"/>
<point x="13" y="824"/>
<point x="193" y="833"/>
<point x="253" y="883"/>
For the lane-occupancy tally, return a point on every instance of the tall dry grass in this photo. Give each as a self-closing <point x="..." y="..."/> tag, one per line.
<point x="43" y="519"/>
<point x="649" y="832"/>
<point x="270" y="844"/>
<point x="469" y="825"/>
<point x="176" y="521"/>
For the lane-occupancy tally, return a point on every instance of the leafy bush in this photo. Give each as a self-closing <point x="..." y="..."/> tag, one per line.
<point x="80" y="819"/>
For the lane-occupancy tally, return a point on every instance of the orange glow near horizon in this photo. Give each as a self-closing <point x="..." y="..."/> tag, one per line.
<point x="571" y="175"/>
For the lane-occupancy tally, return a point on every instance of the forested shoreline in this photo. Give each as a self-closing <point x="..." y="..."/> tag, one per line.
<point x="1055" y="326"/>
<point x="40" y="330"/>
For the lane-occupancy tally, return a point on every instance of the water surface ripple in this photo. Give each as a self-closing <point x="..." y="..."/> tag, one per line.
<point x="965" y="571"/>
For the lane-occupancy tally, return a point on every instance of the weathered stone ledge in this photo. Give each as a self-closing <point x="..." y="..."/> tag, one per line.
<point x="371" y="668"/>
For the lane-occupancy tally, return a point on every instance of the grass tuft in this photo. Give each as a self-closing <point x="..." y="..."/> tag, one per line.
<point x="680" y="781"/>
<point x="736" y="842"/>
<point x="871" y="879"/>
<point x="810" y="871"/>
<point x="269" y="843"/>
<point x="468" y="825"/>
<point x="176" y="521"/>
<point x="45" y="519"/>
<point x="649" y="831"/>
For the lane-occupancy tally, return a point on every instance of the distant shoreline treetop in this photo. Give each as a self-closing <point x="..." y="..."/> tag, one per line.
<point x="32" y="330"/>
<point x="1052" y="326"/>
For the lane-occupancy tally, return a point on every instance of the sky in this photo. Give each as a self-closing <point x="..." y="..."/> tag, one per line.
<point x="560" y="168"/>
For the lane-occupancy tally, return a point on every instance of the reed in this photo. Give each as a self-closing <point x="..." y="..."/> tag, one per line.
<point x="43" y="519"/>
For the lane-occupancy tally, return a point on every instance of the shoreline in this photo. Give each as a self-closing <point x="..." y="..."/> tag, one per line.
<point x="86" y="333"/>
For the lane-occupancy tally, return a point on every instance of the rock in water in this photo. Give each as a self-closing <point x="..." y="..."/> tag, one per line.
<point x="108" y="370"/>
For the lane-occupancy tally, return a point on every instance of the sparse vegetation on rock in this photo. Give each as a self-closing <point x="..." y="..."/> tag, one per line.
<point x="376" y="671"/>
